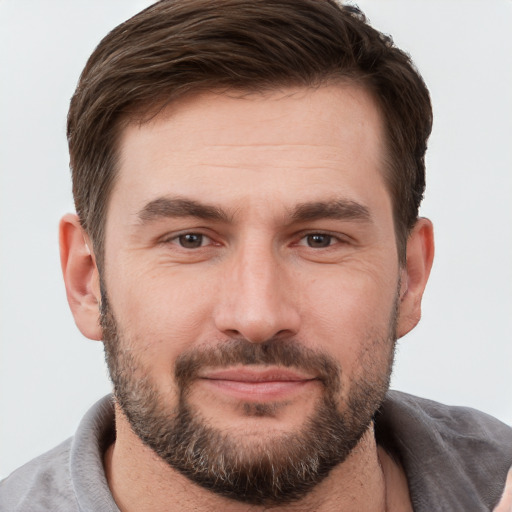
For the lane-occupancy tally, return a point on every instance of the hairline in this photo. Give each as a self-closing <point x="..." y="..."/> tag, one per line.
<point x="143" y="113"/>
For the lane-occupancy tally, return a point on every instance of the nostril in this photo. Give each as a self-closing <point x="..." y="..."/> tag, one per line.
<point x="284" y="333"/>
<point x="232" y="333"/>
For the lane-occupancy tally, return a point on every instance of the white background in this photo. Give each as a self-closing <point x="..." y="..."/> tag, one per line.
<point x="461" y="353"/>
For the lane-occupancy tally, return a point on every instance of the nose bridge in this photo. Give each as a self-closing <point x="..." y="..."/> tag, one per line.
<point x="257" y="303"/>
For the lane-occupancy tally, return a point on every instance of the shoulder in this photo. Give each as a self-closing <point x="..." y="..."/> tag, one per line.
<point x="69" y="478"/>
<point x="462" y="426"/>
<point x="455" y="456"/>
<point x="40" y="485"/>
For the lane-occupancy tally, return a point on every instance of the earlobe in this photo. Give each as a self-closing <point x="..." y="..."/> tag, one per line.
<point x="81" y="276"/>
<point x="420" y="255"/>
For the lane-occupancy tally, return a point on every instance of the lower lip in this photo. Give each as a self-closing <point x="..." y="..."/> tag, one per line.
<point x="259" y="391"/>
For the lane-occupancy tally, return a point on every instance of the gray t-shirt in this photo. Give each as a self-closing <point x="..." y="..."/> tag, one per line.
<point x="456" y="460"/>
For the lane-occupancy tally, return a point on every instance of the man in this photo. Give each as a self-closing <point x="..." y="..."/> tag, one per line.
<point x="247" y="178"/>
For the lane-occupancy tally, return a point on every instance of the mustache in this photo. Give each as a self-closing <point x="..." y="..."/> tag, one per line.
<point x="273" y="352"/>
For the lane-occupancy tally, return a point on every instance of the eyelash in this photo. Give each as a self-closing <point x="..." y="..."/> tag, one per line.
<point x="303" y="241"/>
<point x="175" y="239"/>
<point x="309" y="239"/>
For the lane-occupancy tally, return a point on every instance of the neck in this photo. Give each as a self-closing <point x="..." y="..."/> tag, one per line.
<point x="368" y="480"/>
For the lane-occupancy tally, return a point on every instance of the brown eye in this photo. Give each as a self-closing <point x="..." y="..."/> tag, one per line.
<point x="191" y="240"/>
<point x="318" y="240"/>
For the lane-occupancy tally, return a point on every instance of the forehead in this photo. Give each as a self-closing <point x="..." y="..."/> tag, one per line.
<point x="292" y="144"/>
<point x="237" y="117"/>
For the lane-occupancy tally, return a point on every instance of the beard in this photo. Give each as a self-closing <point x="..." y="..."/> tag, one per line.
<point x="267" y="470"/>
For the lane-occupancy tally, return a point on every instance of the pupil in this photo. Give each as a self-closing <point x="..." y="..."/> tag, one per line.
<point x="191" y="240"/>
<point x="319" y="240"/>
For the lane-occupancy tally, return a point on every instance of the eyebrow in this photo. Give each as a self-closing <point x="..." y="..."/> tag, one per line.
<point x="340" y="209"/>
<point x="168" y="207"/>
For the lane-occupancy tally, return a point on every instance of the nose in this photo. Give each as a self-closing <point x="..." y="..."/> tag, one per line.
<point x="257" y="300"/>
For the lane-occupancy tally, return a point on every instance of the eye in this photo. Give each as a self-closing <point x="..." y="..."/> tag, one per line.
<point x="318" y="240"/>
<point x="191" y="240"/>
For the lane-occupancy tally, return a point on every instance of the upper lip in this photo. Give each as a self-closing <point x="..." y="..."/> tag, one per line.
<point x="256" y="374"/>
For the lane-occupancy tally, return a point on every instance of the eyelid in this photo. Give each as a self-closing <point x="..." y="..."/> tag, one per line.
<point x="299" y="237"/>
<point x="339" y="237"/>
<point x="170" y="237"/>
<point x="173" y="237"/>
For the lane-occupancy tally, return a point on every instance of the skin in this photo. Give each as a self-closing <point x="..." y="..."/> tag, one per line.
<point x="505" y="504"/>
<point x="255" y="275"/>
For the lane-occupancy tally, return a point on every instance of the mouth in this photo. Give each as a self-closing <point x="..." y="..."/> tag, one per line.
<point x="258" y="383"/>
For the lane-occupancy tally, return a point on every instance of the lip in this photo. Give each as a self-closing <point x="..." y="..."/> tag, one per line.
<point x="256" y="374"/>
<point x="258" y="384"/>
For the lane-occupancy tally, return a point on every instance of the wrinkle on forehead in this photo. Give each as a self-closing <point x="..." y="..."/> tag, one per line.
<point x="255" y="111"/>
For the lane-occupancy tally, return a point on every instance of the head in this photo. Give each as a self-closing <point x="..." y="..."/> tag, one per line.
<point x="175" y="49"/>
<point x="247" y="177"/>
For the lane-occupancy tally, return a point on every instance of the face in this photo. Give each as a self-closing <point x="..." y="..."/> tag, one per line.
<point x="250" y="286"/>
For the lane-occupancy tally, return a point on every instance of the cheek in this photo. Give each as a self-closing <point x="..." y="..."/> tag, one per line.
<point x="161" y="314"/>
<point x="349" y="314"/>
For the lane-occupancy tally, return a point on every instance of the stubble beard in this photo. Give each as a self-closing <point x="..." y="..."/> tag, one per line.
<point x="270" y="471"/>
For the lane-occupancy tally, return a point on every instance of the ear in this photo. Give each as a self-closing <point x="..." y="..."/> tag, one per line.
<point x="420" y="255"/>
<point x="81" y="276"/>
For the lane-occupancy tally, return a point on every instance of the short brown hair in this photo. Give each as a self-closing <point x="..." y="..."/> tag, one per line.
<point x="177" y="47"/>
